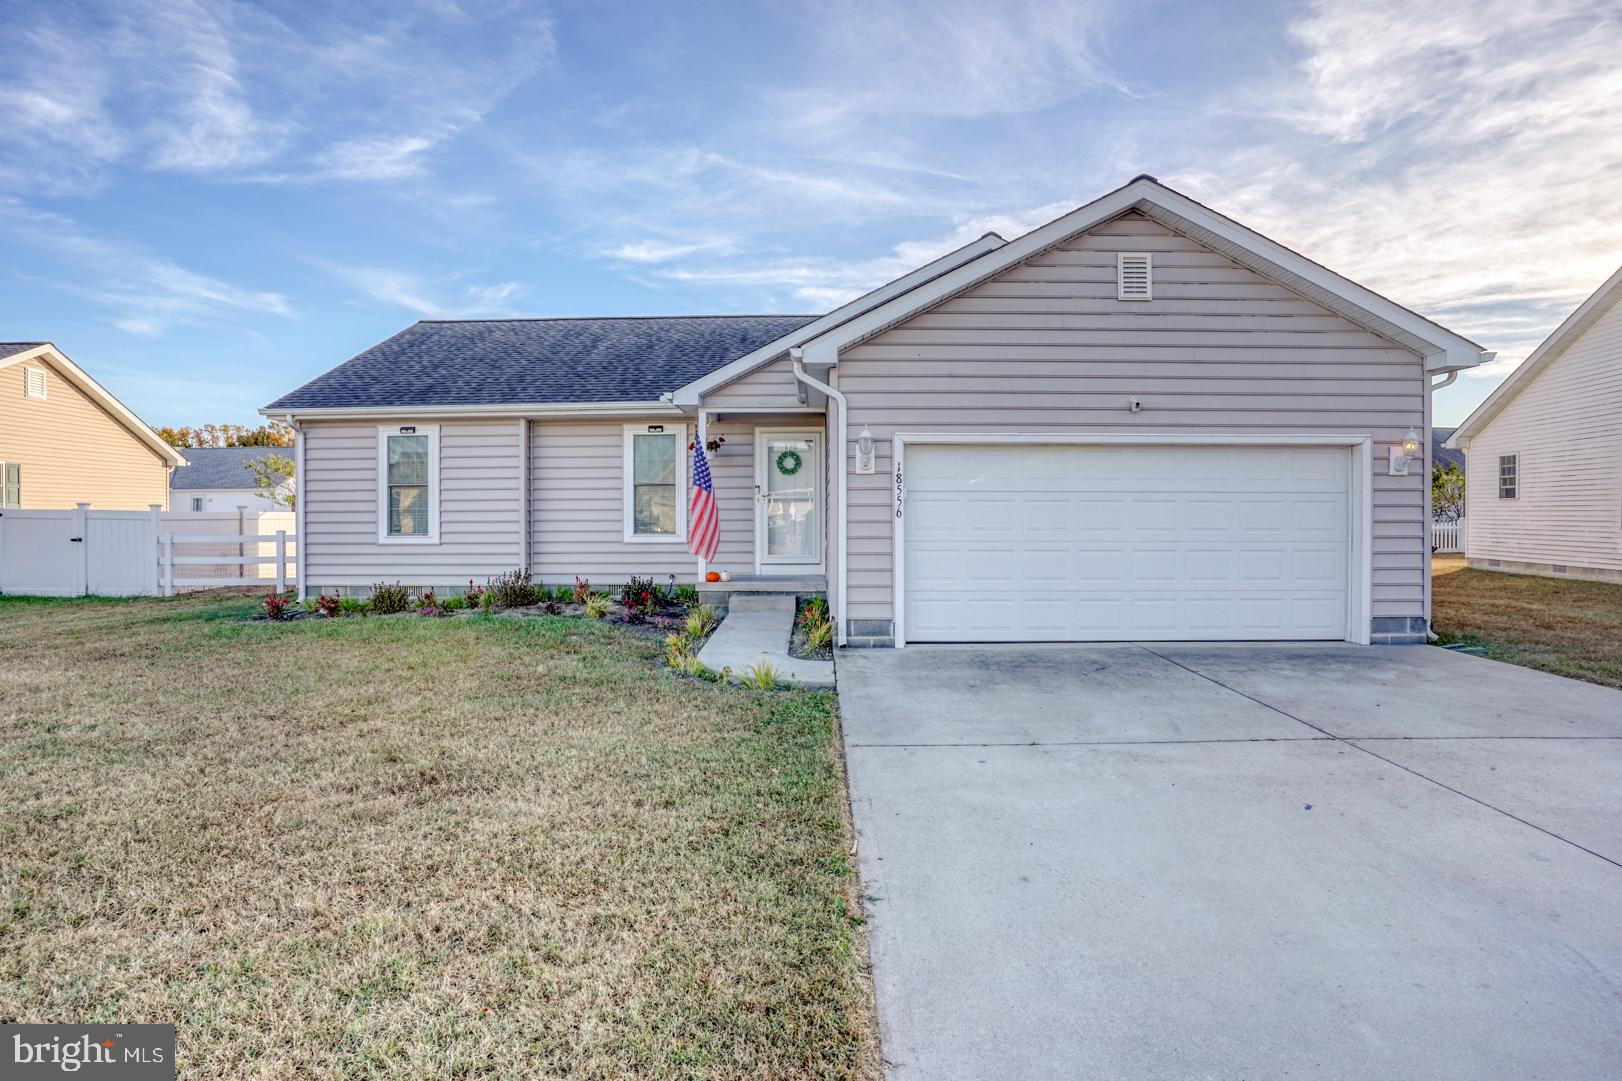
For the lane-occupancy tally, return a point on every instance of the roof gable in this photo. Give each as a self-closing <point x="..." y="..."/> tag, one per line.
<point x="1575" y="325"/>
<point x="1442" y="349"/>
<point x="44" y="352"/>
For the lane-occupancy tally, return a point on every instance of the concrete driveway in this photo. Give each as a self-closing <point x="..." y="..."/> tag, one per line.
<point x="1237" y="861"/>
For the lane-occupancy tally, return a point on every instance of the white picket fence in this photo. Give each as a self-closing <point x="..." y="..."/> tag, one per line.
<point x="125" y="553"/>
<point x="1449" y="536"/>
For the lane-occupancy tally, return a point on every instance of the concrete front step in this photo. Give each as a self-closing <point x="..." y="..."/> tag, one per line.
<point x="757" y="629"/>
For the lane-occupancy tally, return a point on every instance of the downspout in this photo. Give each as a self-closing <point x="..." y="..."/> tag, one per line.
<point x="798" y="357"/>
<point x="1430" y="411"/>
<point x="298" y="510"/>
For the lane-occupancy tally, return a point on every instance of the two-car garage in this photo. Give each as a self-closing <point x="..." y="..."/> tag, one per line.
<point x="1121" y="541"/>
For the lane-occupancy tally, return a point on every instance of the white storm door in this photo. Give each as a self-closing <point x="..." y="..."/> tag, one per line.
<point x="788" y="497"/>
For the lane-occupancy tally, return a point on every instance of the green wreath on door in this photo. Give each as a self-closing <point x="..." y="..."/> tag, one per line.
<point x="789" y="462"/>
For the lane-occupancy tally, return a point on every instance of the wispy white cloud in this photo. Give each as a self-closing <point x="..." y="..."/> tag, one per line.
<point x="138" y="292"/>
<point x="408" y="290"/>
<point x="374" y="157"/>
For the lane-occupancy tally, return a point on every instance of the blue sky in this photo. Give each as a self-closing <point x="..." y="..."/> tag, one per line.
<point x="206" y="203"/>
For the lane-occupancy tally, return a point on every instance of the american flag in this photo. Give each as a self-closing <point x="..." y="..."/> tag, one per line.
<point x="704" y="521"/>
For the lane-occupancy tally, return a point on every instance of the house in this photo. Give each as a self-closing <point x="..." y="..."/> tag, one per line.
<point x="65" y="440"/>
<point x="218" y="478"/>
<point x="1141" y="420"/>
<point x="1543" y="476"/>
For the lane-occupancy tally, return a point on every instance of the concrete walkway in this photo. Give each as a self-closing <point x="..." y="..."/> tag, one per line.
<point x="1237" y="861"/>
<point x="757" y="629"/>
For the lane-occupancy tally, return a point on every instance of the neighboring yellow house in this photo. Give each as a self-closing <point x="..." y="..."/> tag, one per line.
<point x="65" y="440"/>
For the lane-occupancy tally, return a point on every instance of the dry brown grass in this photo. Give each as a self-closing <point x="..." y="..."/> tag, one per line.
<point x="1564" y="626"/>
<point x="408" y="848"/>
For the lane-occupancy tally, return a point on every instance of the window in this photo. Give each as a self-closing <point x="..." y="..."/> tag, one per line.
<point x="34" y="382"/>
<point x="1509" y="479"/>
<point x="655" y="482"/>
<point x="1134" y="276"/>
<point x="408" y="482"/>
<point x="196" y="502"/>
<point x="11" y="495"/>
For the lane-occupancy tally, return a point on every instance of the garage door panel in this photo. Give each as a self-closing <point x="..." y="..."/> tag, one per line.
<point x="1078" y="543"/>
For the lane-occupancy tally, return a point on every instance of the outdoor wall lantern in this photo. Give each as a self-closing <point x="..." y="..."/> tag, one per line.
<point x="1402" y="455"/>
<point x="864" y="452"/>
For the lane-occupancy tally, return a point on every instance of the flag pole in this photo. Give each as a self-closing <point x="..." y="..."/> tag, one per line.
<point x="703" y="433"/>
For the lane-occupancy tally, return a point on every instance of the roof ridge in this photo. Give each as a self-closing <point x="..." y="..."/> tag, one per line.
<point x="601" y="318"/>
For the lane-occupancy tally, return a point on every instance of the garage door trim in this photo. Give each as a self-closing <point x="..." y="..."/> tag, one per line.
<point x="1360" y="564"/>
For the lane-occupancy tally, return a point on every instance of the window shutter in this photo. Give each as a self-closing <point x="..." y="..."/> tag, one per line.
<point x="1134" y="274"/>
<point x="12" y="496"/>
<point x="35" y="386"/>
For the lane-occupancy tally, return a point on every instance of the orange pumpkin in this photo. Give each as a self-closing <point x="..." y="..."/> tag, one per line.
<point x="713" y="576"/>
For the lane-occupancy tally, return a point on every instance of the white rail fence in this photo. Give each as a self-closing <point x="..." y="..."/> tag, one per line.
<point x="78" y="552"/>
<point x="1450" y="536"/>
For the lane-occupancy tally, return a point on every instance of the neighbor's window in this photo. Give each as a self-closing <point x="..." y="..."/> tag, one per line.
<point x="1509" y="479"/>
<point x="654" y="469"/>
<point x="196" y="502"/>
<point x="408" y="465"/>
<point x="11" y="495"/>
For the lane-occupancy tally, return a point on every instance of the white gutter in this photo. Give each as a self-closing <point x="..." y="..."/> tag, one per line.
<point x="530" y="411"/>
<point x="843" y="577"/>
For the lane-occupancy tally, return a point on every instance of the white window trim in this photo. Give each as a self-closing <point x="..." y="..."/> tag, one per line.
<point x="1516" y="455"/>
<point x="3" y="503"/>
<point x="383" y="433"/>
<point x="683" y="480"/>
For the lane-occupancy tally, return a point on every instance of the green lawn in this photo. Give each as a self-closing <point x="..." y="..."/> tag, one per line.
<point x="414" y="848"/>
<point x="1561" y="625"/>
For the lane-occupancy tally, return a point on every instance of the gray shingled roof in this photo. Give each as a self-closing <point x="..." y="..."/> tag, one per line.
<point x="220" y="467"/>
<point x="537" y="361"/>
<point x="10" y="348"/>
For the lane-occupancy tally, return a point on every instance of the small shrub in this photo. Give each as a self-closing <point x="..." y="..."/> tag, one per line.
<point x="473" y="595"/>
<point x="330" y="607"/>
<point x="761" y="676"/>
<point x="640" y="595"/>
<point x="351" y="606"/>
<point x="276" y="605"/>
<point x="563" y="594"/>
<point x="700" y="621"/>
<point x="515" y="589"/>
<point x="596" y="606"/>
<point x="687" y="594"/>
<point x="426" y="600"/>
<point x="388" y="599"/>
<point x="815" y="611"/>
<point x="311" y="604"/>
<point x="819" y="635"/>
<point x="553" y="608"/>
<point x="487" y="601"/>
<point x="452" y="604"/>
<point x="582" y="589"/>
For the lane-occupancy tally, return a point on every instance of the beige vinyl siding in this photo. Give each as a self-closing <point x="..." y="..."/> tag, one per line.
<point x="480" y="507"/>
<point x="770" y="387"/>
<point x="1566" y="427"/>
<point x="1045" y="346"/>
<point x="577" y="501"/>
<point x="71" y="450"/>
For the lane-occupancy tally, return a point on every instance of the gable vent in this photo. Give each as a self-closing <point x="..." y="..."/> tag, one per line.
<point x="1134" y="276"/>
<point x="34" y="382"/>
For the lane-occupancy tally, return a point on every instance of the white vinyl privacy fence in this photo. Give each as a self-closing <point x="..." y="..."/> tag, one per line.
<point x="123" y="553"/>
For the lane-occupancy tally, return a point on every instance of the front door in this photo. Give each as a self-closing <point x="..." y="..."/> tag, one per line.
<point x="788" y="497"/>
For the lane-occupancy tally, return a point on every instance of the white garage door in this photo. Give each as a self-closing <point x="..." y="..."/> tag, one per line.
<point x="1121" y="543"/>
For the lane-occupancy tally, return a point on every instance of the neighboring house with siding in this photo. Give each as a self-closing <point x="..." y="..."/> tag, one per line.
<point x="218" y="479"/>
<point x="65" y="440"/>
<point x="1543" y="476"/>
<point x="1139" y="421"/>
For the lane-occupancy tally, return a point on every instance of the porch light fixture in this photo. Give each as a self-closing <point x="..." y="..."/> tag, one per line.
<point x="1402" y="455"/>
<point x="864" y="451"/>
